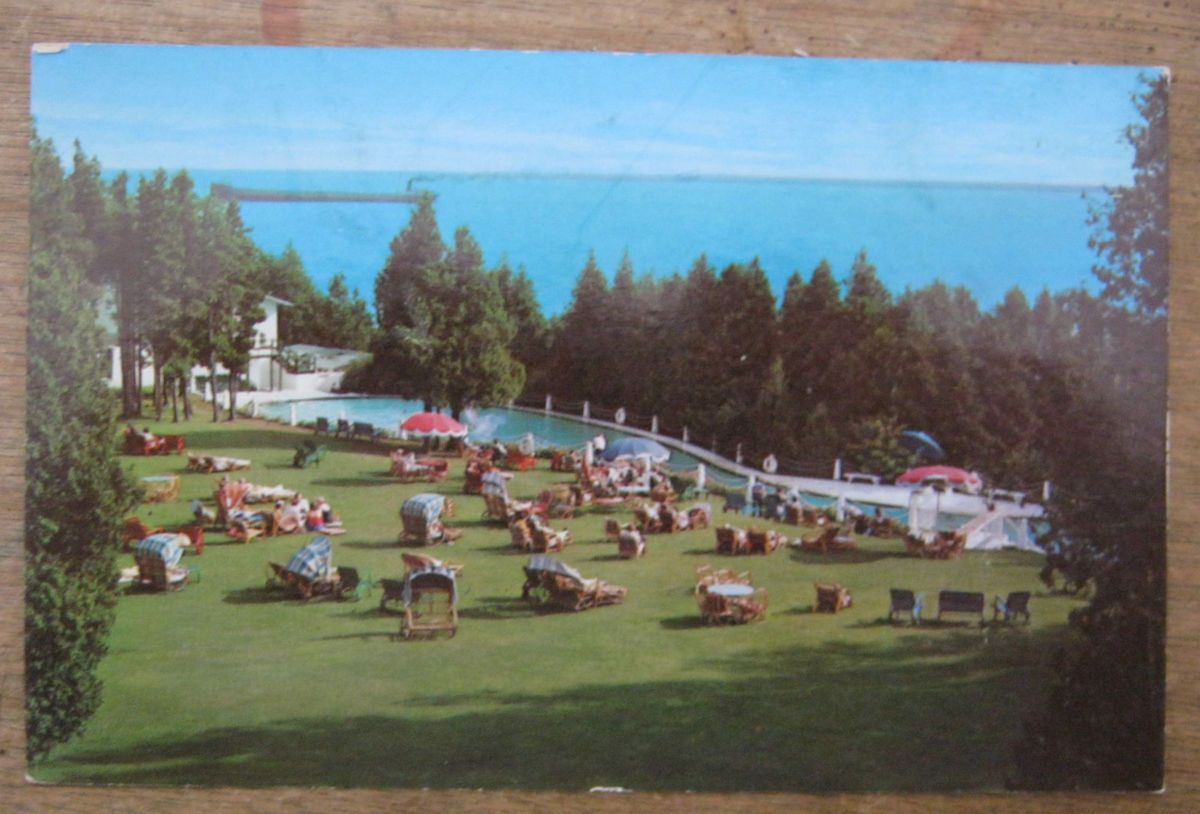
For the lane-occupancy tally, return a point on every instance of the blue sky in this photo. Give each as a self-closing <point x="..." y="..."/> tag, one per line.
<point x="487" y="111"/>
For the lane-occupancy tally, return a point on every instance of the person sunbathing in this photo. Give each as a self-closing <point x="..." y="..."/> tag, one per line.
<point x="320" y="518"/>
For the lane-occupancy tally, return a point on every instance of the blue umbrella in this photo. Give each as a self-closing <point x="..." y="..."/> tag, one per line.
<point x="635" y="448"/>
<point x="922" y="444"/>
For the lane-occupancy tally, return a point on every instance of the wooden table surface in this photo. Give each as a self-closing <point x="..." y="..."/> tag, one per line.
<point x="1158" y="32"/>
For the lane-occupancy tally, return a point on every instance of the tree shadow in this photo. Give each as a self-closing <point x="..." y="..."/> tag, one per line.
<point x="787" y="719"/>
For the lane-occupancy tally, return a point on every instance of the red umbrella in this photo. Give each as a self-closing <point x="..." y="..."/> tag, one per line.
<point x="952" y="474"/>
<point x="432" y="425"/>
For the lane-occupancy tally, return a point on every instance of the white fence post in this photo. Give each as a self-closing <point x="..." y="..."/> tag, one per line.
<point x="837" y="469"/>
<point x="654" y="424"/>
<point x="685" y="435"/>
<point x="292" y="414"/>
<point x="587" y="410"/>
<point x="549" y="403"/>
<point x="700" y="477"/>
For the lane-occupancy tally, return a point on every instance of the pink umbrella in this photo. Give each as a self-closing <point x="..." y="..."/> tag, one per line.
<point x="952" y="475"/>
<point x="432" y="425"/>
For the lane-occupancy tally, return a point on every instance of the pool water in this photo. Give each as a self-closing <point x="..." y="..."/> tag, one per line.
<point x="485" y="425"/>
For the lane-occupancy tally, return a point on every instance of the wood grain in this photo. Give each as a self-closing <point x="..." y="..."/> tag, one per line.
<point x="1160" y="32"/>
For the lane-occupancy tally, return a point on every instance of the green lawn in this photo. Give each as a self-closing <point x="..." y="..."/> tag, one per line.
<point x="226" y="683"/>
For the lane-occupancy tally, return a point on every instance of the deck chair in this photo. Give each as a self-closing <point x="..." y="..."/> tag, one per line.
<point x="408" y="468"/>
<point x="1016" y="603"/>
<point x="343" y="428"/>
<point x="547" y="539"/>
<point x="730" y="540"/>
<point x="832" y="597"/>
<point x="321" y="427"/>
<point x="518" y="460"/>
<point x="905" y="601"/>
<point x="706" y="575"/>
<point x="700" y="516"/>
<point x="134" y="531"/>
<point x="716" y="609"/>
<point x="521" y="533"/>
<point x="550" y="583"/>
<point x="734" y="502"/>
<point x="763" y="541"/>
<point x="363" y="429"/>
<point x="418" y="562"/>
<point x="430" y="598"/>
<point x="309" y="452"/>
<point x="630" y="544"/>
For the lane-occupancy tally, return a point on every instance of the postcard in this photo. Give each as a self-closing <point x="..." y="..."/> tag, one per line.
<point x="594" y="422"/>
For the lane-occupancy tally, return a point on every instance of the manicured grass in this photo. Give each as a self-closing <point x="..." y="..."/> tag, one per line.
<point x="226" y="683"/>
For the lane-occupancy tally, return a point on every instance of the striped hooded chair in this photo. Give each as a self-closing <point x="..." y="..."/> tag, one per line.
<point x="421" y="517"/>
<point x="310" y="570"/>
<point x="158" y="559"/>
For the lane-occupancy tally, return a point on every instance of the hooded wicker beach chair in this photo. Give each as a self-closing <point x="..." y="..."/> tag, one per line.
<point x="430" y="598"/>
<point x="421" y="516"/>
<point x="157" y="558"/>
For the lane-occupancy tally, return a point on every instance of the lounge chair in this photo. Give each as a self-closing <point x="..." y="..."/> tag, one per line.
<point x="731" y="540"/>
<point x="518" y="460"/>
<point x="343" y="429"/>
<point x="157" y="558"/>
<point x="734" y="502"/>
<point x="763" y="541"/>
<point x="430" y="598"/>
<point x="408" y="468"/>
<point x="550" y="583"/>
<point x="160" y="488"/>
<point x="134" y="531"/>
<point x="321" y="427"/>
<point x="718" y="608"/>
<point x="706" y="576"/>
<point x="905" y="601"/>
<point x="521" y="532"/>
<point x="630" y="544"/>
<point x="309" y="452"/>
<point x="419" y="562"/>
<point x="215" y="463"/>
<point x="546" y="539"/>
<point x="421" y="515"/>
<point x="1016" y="603"/>
<point x="832" y="539"/>
<point x="832" y="597"/>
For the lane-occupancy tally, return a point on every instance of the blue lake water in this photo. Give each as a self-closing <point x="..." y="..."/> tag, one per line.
<point x="988" y="238"/>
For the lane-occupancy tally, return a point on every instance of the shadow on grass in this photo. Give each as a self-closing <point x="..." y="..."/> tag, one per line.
<point x="690" y="622"/>
<point x="255" y="596"/>
<point x="853" y="557"/>
<point x="497" y="608"/>
<point x="362" y="480"/>
<point x="807" y="719"/>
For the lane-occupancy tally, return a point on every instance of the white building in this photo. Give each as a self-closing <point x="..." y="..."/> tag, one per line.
<point x="264" y="370"/>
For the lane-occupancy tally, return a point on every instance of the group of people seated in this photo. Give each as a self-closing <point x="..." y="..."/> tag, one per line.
<point x="664" y="517"/>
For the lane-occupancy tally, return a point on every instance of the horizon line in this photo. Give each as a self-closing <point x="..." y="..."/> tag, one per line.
<point x="681" y="176"/>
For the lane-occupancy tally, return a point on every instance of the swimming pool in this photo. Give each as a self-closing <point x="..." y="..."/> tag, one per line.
<point x="485" y="424"/>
